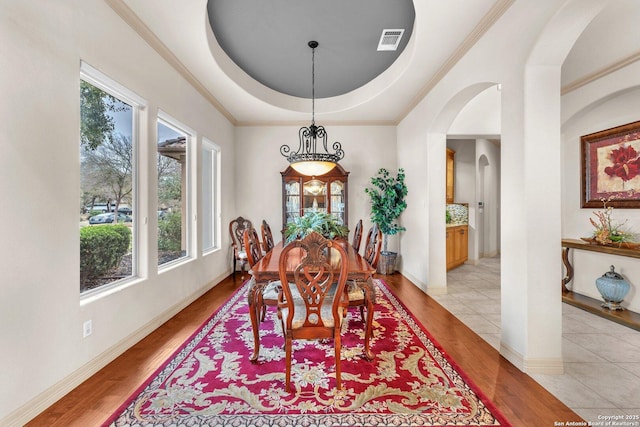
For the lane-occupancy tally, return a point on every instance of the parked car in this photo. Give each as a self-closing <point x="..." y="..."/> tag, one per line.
<point x="107" y="218"/>
<point x="125" y="210"/>
<point x="97" y="207"/>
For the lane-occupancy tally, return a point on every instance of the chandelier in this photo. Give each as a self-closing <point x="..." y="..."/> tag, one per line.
<point x="307" y="159"/>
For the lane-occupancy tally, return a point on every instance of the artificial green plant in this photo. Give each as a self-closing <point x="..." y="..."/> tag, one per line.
<point x="387" y="202"/>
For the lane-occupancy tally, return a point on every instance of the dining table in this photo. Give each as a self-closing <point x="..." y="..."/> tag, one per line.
<point x="265" y="271"/>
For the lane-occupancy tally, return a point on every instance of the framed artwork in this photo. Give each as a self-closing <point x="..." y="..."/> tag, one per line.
<point x="611" y="167"/>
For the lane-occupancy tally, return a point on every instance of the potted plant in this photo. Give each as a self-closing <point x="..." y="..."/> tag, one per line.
<point x="387" y="203"/>
<point x="318" y="221"/>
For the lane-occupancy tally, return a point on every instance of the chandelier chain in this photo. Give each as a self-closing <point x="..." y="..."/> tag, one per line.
<point x="313" y="85"/>
<point x="306" y="159"/>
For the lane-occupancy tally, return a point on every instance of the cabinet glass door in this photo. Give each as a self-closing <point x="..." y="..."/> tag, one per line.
<point x="337" y="200"/>
<point x="314" y="196"/>
<point x="292" y="201"/>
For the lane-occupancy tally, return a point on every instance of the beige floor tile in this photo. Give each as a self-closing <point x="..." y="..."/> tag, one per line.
<point x="601" y="358"/>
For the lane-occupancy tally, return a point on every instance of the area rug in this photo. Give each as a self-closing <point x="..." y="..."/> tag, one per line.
<point x="211" y="382"/>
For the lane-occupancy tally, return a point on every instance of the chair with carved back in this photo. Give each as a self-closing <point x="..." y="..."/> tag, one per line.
<point x="357" y="236"/>
<point x="252" y="247"/>
<point x="236" y="230"/>
<point x="268" y="294"/>
<point x="371" y="254"/>
<point x="318" y="311"/>
<point x="267" y="236"/>
<point x="372" y="246"/>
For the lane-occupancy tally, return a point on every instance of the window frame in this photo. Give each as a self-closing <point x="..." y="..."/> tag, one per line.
<point x="211" y="169"/>
<point x="138" y="106"/>
<point x="171" y="122"/>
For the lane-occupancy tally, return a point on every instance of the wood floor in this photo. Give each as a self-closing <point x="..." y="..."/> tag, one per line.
<point x="522" y="400"/>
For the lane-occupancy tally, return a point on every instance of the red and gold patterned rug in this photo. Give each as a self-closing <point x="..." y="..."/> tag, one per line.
<point x="211" y="382"/>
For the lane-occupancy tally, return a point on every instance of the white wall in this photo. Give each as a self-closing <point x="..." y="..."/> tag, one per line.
<point x="530" y="98"/>
<point x="259" y="163"/>
<point x="488" y="191"/>
<point x="481" y="116"/>
<point x="597" y="113"/>
<point x="43" y="353"/>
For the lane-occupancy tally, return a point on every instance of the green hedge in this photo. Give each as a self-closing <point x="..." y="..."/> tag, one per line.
<point x="102" y="248"/>
<point x="170" y="232"/>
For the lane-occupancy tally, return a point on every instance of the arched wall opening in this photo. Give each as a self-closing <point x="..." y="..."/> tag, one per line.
<point x="436" y="140"/>
<point x="531" y="310"/>
<point x="531" y="304"/>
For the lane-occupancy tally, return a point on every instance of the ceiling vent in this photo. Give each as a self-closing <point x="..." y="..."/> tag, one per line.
<point x="390" y="39"/>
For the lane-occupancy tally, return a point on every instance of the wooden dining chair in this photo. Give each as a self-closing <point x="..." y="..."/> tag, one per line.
<point x="318" y="311"/>
<point x="373" y="245"/>
<point x="268" y="292"/>
<point x="252" y="247"/>
<point x="236" y="230"/>
<point x="357" y="236"/>
<point x="357" y="297"/>
<point x="267" y="236"/>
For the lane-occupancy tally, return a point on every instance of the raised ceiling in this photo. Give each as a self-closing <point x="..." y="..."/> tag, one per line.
<point x="272" y="38"/>
<point x="182" y="32"/>
<point x="269" y="41"/>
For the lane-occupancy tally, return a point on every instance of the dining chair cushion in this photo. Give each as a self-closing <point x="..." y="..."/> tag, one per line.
<point x="271" y="291"/>
<point x="299" y="314"/>
<point x="354" y="291"/>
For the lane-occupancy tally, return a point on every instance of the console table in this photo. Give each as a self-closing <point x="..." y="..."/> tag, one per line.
<point x="624" y="317"/>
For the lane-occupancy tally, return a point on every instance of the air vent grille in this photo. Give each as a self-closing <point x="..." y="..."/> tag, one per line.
<point x="390" y="39"/>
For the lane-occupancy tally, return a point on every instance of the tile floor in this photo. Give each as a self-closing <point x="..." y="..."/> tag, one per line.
<point x="601" y="358"/>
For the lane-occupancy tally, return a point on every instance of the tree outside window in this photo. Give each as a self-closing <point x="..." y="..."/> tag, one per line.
<point x="172" y="164"/>
<point x="106" y="184"/>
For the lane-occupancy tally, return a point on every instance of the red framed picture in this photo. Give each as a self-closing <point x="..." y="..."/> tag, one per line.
<point x="611" y="167"/>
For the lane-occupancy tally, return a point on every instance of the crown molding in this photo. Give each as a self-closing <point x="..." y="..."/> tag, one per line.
<point x="156" y="44"/>
<point x="324" y="123"/>
<point x="589" y="78"/>
<point x="488" y="20"/>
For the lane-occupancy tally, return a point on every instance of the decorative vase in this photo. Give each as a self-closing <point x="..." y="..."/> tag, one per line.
<point x="613" y="289"/>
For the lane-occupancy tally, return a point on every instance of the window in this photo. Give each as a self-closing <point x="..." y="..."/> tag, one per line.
<point x="108" y="143"/>
<point x="210" y="192"/>
<point x="173" y="201"/>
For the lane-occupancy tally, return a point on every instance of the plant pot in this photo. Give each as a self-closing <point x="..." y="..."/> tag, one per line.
<point x="387" y="263"/>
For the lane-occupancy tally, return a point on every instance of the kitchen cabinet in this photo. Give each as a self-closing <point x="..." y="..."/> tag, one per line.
<point x="457" y="245"/>
<point x="450" y="174"/>
<point x="326" y="193"/>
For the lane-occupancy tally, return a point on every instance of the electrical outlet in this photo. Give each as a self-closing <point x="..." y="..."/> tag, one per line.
<point x="86" y="329"/>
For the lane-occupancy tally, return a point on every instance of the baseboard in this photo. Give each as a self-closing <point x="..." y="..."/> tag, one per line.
<point x="488" y="254"/>
<point x="544" y="366"/>
<point x="38" y="404"/>
<point x="417" y="283"/>
<point x="437" y="291"/>
<point x="512" y="356"/>
<point x="552" y="366"/>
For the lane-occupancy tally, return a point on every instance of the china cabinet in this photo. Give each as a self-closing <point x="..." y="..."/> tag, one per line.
<point x="326" y="193"/>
